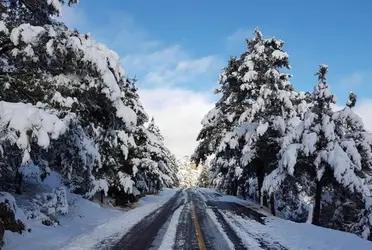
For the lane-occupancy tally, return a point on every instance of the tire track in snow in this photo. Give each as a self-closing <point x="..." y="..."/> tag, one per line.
<point x="251" y="240"/>
<point x="224" y="232"/>
<point x="215" y="236"/>
<point x="169" y="238"/>
<point x="143" y="234"/>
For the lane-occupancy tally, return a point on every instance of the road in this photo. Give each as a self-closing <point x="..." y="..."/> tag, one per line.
<point x="198" y="219"/>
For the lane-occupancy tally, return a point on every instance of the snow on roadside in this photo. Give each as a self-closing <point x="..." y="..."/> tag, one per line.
<point x="294" y="235"/>
<point x="118" y="226"/>
<point x="308" y="236"/>
<point x="289" y="234"/>
<point x="170" y="235"/>
<point x="86" y="225"/>
<point x="247" y="239"/>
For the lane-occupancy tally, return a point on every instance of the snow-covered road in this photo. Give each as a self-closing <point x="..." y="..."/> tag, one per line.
<point x="194" y="218"/>
<point x="204" y="219"/>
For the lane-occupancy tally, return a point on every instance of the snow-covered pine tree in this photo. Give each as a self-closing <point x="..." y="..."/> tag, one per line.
<point x="36" y="12"/>
<point x="157" y="166"/>
<point x="349" y="126"/>
<point x="80" y="84"/>
<point x="204" y="177"/>
<point x="323" y="156"/>
<point x="333" y="160"/>
<point x="257" y="99"/>
<point x="353" y="209"/>
<point x="168" y="165"/>
<point x="188" y="172"/>
<point x="299" y="157"/>
<point x="62" y="71"/>
<point x="215" y="123"/>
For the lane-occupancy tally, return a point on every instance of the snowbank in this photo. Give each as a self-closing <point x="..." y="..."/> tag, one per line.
<point x="290" y="234"/>
<point x="86" y="225"/>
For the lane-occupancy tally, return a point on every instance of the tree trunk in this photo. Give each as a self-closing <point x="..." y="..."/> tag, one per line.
<point x="2" y="231"/>
<point x="260" y="173"/>
<point x="18" y="181"/>
<point x="244" y="192"/>
<point x="272" y="203"/>
<point x="318" y="196"/>
<point x="260" y="197"/>
<point x="265" y="203"/>
<point x="234" y="190"/>
<point x="102" y="195"/>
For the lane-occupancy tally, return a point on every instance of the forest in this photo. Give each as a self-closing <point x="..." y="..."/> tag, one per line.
<point x="67" y="107"/>
<point x="288" y="150"/>
<point x="75" y="135"/>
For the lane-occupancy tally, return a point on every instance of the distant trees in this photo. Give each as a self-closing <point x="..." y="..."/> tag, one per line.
<point x="287" y="149"/>
<point x="188" y="172"/>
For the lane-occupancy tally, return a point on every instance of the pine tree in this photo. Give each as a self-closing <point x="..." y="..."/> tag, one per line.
<point x="157" y="166"/>
<point x="269" y="141"/>
<point x="257" y="99"/>
<point x="322" y="154"/>
<point x="353" y="209"/>
<point x="204" y="177"/>
<point x="218" y="122"/>
<point x="188" y="172"/>
<point x="66" y="74"/>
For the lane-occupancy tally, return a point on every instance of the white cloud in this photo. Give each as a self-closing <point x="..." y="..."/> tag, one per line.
<point x="178" y="112"/>
<point x="235" y="42"/>
<point x="364" y="110"/>
<point x="126" y="36"/>
<point x="183" y="72"/>
<point x="172" y="66"/>
<point x="358" y="82"/>
<point x="167" y="79"/>
<point x="159" y="59"/>
<point x="357" y="79"/>
<point x="72" y="16"/>
<point x="354" y="79"/>
<point x="240" y="35"/>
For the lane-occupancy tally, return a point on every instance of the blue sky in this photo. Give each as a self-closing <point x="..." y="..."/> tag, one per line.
<point x="176" y="49"/>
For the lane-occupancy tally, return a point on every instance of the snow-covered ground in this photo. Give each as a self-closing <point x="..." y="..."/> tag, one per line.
<point x="289" y="234"/>
<point x="86" y="225"/>
<point x="90" y="226"/>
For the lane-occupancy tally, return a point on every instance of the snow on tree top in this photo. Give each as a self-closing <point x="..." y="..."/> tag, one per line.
<point x="3" y="28"/>
<point x="26" y="33"/>
<point x="250" y="76"/>
<point x="96" y="55"/>
<point x="56" y="4"/>
<point x="107" y="62"/>
<point x="280" y="55"/>
<point x="22" y="118"/>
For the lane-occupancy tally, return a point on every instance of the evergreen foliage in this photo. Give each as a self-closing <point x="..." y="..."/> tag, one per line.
<point x="67" y="106"/>
<point x="288" y="150"/>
